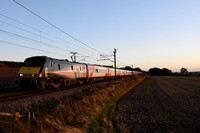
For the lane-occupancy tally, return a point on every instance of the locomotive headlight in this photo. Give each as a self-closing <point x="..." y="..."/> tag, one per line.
<point x="20" y="74"/>
<point x="40" y="75"/>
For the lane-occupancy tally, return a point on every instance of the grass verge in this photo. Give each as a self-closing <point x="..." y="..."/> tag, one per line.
<point x="103" y="121"/>
<point x="89" y="111"/>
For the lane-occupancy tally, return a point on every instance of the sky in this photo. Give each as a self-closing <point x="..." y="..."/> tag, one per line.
<point x="146" y="33"/>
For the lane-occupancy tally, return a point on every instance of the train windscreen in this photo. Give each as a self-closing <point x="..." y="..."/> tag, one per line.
<point x="34" y="62"/>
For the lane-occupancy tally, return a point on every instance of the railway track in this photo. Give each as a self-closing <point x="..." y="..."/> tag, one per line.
<point x="18" y="93"/>
<point x="9" y="94"/>
<point x="6" y="90"/>
<point x="22" y="94"/>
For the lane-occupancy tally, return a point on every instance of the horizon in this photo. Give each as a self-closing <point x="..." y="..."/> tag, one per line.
<point x="117" y="67"/>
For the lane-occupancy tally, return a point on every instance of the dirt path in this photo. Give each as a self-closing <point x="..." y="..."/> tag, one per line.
<point x="162" y="104"/>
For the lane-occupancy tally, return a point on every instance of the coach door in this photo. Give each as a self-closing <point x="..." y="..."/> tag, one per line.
<point x="50" y="65"/>
<point x="78" y="71"/>
<point x="73" y="70"/>
<point x="50" y="68"/>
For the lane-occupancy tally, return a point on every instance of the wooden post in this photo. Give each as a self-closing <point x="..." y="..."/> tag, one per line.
<point x="29" y="117"/>
<point x="17" y="116"/>
<point x="33" y="116"/>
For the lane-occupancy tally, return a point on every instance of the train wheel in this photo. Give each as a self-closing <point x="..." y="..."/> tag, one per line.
<point x="91" y="80"/>
<point x="61" y="85"/>
<point x="43" y="86"/>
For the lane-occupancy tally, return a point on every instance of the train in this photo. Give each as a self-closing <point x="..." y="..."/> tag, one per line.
<point x="45" y="72"/>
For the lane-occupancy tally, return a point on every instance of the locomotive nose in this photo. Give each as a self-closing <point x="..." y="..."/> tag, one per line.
<point x="34" y="82"/>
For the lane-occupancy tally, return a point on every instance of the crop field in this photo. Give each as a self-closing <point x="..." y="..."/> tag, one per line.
<point x="8" y="76"/>
<point x="160" y="104"/>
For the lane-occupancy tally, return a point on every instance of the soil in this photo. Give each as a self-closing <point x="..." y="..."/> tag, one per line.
<point x="160" y="104"/>
<point x="8" y="71"/>
<point x="8" y="76"/>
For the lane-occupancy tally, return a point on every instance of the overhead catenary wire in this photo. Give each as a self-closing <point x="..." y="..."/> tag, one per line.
<point x="35" y="41"/>
<point x="41" y="36"/>
<point x="59" y="30"/>
<point x="18" y="45"/>
<point x="22" y="37"/>
<point x="26" y="38"/>
<point x="31" y="48"/>
<point x="40" y="31"/>
<point x="56" y="27"/>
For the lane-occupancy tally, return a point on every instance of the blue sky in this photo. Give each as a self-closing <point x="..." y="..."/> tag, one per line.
<point x="146" y="33"/>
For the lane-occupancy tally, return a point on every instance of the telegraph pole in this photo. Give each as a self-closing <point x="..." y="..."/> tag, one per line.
<point x="115" y="51"/>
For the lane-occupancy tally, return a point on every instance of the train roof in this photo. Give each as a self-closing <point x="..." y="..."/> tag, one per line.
<point x="50" y="58"/>
<point x="66" y="60"/>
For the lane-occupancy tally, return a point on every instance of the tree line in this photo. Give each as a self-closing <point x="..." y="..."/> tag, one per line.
<point x="164" y="71"/>
<point x="167" y="72"/>
<point x="158" y="71"/>
<point x="10" y="64"/>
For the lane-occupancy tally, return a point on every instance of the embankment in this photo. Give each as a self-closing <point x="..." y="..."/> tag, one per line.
<point x="87" y="111"/>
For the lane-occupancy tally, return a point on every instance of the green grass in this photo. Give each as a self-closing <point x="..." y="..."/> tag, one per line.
<point x="99" y="124"/>
<point x="103" y="122"/>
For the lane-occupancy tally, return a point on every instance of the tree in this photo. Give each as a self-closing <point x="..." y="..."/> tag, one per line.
<point x="184" y="71"/>
<point x="166" y="71"/>
<point x="158" y="71"/>
<point x="128" y="68"/>
<point x="137" y="69"/>
<point x="155" y="71"/>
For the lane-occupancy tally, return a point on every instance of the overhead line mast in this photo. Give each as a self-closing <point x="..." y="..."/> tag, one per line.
<point x="115" y="61"/>
<point x="115" y="51"/>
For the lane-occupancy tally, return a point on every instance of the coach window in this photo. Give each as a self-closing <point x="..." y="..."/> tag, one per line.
<point x="59" y="66"/>
<point x="80" y="68"/>
<point x="72" y="67"/>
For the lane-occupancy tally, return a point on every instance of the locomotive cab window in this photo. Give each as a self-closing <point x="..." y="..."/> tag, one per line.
<point x="34" y="62"/>
<point x="72" y="67"/>
<point x="80" y="68"/>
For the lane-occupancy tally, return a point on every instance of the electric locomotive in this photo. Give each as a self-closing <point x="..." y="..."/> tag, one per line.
<point x="44" y="72"/>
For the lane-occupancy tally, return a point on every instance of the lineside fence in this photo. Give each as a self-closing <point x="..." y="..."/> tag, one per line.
<point x="30" y="116"/>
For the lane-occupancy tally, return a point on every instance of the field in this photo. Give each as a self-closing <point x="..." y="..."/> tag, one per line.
<point x="160" y="104"/>
<point x="8" y="76"/>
